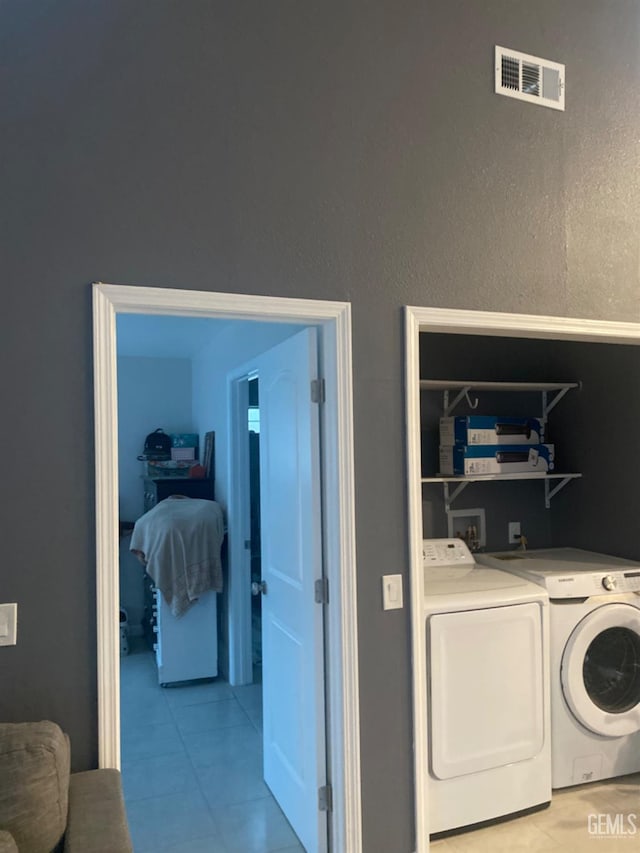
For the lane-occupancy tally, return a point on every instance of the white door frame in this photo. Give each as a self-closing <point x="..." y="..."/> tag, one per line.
<point x="334" y="321"/>
<point x="461" y="322"/>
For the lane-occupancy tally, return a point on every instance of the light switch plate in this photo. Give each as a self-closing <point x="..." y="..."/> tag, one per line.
<point x="8" y="624"/>
<point x="392" y="592"/>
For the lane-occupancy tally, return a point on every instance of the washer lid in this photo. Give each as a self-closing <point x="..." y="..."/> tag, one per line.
<point x="600" y="670"/>
<point x="569" y="572"/>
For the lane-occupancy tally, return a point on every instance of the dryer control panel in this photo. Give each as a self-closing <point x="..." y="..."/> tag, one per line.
<point x="438" y="553"/>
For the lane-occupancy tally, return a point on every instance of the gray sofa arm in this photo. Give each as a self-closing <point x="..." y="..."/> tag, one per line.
<point x="97" y="821"/>
<point x="7" y="844"/>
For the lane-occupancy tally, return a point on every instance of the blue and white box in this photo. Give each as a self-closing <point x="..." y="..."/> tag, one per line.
<point x="490" y="429"/>
<point x="184" y="439"/>
<point x="184" y="446"/>
<point x="462" y="460"/>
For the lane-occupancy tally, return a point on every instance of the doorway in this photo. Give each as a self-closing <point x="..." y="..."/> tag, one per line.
<point x="253" y="425"/>
<point x="333" y="323"/>
<point x="245" y="601"/>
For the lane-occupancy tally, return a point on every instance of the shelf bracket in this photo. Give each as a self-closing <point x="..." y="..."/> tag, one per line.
<point x="449" y="497"/>
<point x="547" y="404"/>
<point x="550" y="492"/>
<point x="450" y="406"/>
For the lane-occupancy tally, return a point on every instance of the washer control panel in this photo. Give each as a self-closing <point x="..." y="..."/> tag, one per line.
<point x="621" y="582"/>
<point x="438" y="553"/>
<point x="583" y="584"/>
<point x="569" y="572"/>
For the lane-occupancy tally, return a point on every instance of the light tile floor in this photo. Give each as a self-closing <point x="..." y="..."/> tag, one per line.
<point x="192" y="778"/>
<point x="603" y="817"/>
<point x="192" y="766"/>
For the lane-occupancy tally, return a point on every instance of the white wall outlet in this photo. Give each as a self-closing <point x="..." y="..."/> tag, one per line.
<point x="514" y="532"/>
<point x="8" y="624"/>
<point x="392" y="592"/>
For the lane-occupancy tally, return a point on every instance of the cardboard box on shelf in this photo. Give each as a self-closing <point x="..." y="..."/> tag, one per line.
<point x="461" y="460"/>
<point x="490" y="429"/>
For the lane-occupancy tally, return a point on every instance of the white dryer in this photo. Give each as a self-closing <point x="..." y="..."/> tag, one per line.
<point x="487" y="681"/>
<point x="595" y="659"/>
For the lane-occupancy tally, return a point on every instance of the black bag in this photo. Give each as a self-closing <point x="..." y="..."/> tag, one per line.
<point x="157" y="446"/>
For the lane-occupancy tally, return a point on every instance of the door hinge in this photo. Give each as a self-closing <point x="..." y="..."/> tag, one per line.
<point x="322" y="591"/>
<point x="259" y="588"/>
<point x="325" y="798"/>
<point x="317" y="391"/>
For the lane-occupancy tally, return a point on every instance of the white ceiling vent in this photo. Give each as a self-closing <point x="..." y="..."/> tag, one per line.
<point x="529" y="78"/>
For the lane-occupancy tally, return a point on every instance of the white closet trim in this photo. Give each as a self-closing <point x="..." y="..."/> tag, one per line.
<point x="461" y="322"/>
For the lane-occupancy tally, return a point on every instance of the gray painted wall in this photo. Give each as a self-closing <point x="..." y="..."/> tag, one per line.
<point x="350" y="151"/>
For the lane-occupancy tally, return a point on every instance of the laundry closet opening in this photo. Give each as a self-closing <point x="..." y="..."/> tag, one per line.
<point x="467" y="352"/>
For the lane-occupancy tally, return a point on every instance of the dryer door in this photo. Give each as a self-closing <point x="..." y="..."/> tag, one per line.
<point x="486" y="683"/>
<point x="600" y="670"/>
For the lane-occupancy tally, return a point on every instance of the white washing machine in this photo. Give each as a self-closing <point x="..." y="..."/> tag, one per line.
<point x="595" y="659"/>
<point x="487" y="681"/>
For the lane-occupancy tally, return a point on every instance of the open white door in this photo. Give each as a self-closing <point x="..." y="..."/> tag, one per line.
<point x="292" y="621"/>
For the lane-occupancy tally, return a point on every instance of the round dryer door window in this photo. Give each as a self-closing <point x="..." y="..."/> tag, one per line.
<point x="601" y="670"/>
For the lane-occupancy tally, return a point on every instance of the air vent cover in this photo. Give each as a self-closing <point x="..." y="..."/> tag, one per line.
<point x="529" y="78"/>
